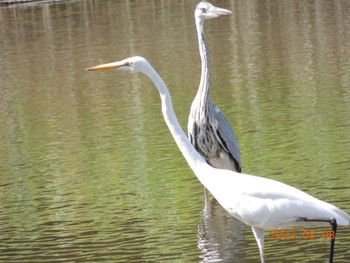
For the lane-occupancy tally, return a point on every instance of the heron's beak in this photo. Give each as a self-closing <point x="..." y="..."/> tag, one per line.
<point x="221" y="11"/>
<point x="114" y="65"/>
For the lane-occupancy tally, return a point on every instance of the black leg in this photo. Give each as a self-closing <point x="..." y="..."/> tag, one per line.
<point x="333" y="223"/>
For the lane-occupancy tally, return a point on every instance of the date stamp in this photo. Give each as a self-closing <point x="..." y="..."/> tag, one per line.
<point x="287" y="234"/>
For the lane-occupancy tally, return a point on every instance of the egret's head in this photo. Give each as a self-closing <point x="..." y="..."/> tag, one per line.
<point x="129" y="64"/>
<point x="205" y="10"/>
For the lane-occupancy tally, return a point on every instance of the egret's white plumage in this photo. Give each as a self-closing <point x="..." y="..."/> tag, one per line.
<point x="259" y="202"/>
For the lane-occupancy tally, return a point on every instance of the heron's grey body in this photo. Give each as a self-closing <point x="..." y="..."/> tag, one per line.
<point x="213" y="138"/>
<point x="208" y="129"/>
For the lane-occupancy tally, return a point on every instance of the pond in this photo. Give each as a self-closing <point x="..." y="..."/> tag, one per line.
<point x="89" y="170"/>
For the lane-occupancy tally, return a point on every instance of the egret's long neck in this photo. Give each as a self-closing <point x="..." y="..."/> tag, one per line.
<point x="192" y="157"/>
<point x="203" y="91"/>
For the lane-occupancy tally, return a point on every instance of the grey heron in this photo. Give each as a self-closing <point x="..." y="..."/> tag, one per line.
<point x="261" y="203"/>
<point x="208" y="129"/>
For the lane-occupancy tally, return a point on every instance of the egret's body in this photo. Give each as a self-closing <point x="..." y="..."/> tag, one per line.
<point x="259" y="202"/>
<point x="208" y="129"/>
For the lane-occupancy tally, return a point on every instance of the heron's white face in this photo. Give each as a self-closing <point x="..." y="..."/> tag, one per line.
<point x="129" y="64"/>
<point x="205" y="10"/>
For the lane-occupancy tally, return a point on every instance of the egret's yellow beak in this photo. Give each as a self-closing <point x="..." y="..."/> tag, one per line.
<point x="114" y="65"/>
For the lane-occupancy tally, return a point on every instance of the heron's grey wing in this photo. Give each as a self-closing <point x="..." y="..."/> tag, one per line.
<point x="226" y="136"/>
<point x="191" y="129"/>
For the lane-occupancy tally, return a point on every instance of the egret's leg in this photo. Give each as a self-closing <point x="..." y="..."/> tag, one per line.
<point x="333" y="223"/>
<point x="259" y="236"/>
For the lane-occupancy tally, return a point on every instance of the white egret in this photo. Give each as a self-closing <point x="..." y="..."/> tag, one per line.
<point x="261" y="203"/>
<point x="208" y="129"/>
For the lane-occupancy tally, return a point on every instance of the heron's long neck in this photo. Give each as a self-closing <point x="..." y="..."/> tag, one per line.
<point x="203" y="91"/>
<point x="192" y="157"/>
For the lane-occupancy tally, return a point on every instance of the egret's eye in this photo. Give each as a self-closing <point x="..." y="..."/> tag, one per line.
<point x="129" y="64"/>
<point x="204" y="10"/>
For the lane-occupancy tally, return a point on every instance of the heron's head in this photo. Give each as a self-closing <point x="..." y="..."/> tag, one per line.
<point x="205" y="10"/>
<point x="129" y="64"/>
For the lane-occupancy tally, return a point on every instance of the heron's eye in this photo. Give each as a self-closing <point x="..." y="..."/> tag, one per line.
<point x="204" y="10"/>
<point x="129" y="64"/>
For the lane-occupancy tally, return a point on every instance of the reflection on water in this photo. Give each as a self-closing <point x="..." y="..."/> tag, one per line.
<point x="89" y="171"/>
<point x="220" y="236"/>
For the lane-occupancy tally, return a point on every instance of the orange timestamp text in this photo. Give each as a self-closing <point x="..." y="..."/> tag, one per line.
<point x="287" y="234"/>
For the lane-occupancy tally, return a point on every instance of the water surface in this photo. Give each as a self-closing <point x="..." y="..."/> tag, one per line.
<point x="89" y="171"/>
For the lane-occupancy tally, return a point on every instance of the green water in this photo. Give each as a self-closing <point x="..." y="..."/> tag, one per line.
<point x="88" y="169"/>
